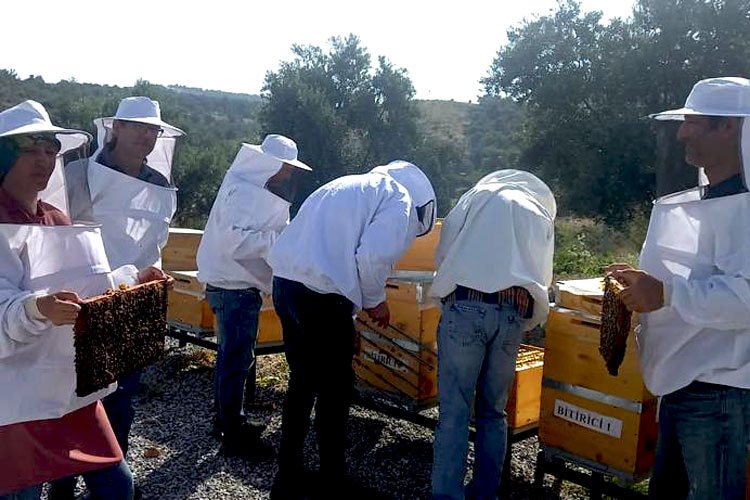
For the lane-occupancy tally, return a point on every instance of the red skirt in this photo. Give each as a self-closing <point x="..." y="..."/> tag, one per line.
<point x="43" y="450"/>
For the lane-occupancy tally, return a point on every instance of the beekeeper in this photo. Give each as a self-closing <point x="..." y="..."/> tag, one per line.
<point x="46" y="267"/>
<point x="126" y="187"/>
<point x="693" y="290"/>
<point x="332" y="259"/>
<point x="250" y="211"/>
<point x="494" y="268"/>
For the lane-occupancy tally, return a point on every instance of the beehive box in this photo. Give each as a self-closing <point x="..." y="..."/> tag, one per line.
<point x="580" y="295"/>
<point x="401" y="360"/>
<point x="585" y="411"/>
<point x="181" y="249"/>
<point x="524" y="399"/>
<point x="421" y="254"/>
<point x="187" y="308"/>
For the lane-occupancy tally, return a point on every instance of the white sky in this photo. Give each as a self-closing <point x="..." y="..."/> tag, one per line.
<point x="230" y="45"/>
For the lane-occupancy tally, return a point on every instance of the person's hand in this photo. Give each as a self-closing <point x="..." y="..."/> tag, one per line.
<point x="380" y="315"/>
<point x="60" y="308"/>
<point x="152" y="274"/>
<point x="619" y="266"/>
<point x="642" y="292"/>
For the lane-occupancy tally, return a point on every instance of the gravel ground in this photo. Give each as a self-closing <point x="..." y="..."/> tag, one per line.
<point x="174" y="457"/>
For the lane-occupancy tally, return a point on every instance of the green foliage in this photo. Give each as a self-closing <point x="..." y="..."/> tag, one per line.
<point x="583" y="247"/>
<point x="587" y="86"/>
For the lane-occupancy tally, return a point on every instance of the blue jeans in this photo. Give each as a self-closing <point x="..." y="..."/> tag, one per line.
<point x="702" y="447"/>
<point x="111" y="483"/>
<point x="477" y="350"/>
<point x="237" y="313"/>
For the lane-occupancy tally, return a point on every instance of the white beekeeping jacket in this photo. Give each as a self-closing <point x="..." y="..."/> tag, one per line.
<point x="701" y="250"/>
<point x="37" y="368"/>
<point x="243" y="225"/>
<point x="349" y="233"/>
<point x="134" y="214"/>
<point x="500" y="234"/>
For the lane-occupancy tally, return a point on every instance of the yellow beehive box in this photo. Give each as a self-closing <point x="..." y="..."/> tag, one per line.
<point x="188" y="308"/>
<point x="525" y="394"/>
<point x="189" y="311"/>
<point x="618" y="434"/>
<point x="581" y="295"/>
<point x="181" y="249"/>
<point x="401" y="359"/>
<point x="421" y="254"/>
<point x="572" y="356"/>
<point x="587" y="412"/>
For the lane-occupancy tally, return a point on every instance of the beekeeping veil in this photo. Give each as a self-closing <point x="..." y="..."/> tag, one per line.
<point x="419" y="188"/>
<point x="147" y="111"/>
<point x="31" y="119"/>
<point x="726" y="96"/>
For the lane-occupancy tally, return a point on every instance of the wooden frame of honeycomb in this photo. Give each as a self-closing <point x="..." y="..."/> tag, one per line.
<point x="615" y="326"/>
<point x="119" y="333"/>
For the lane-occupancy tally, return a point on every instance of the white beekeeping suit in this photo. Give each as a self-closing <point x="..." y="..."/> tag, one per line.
<point x="37" y="369"/>
<point x="500" y="234"/>
<point x="348" y="234"/>
<point x="246" y="218"/>
<point x="134" y="214"/>
<point x="700" y="249"/>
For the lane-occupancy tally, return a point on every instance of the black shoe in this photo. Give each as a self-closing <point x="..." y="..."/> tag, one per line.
<point x="344" y="486"/>
<point x="285" y="488"/>
<point x="245" y="442"/>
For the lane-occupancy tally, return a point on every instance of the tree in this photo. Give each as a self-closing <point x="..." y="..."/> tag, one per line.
<point x="345" y="117"/>
<point x="587" y="87"/>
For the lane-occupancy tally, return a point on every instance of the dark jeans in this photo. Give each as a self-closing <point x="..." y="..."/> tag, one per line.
<point x="702" y="447"/>
<point x="120" y="410"/>
<point x="319" y="346"/>
<point x="111" y="483"/>
<point x="237" y="313"/>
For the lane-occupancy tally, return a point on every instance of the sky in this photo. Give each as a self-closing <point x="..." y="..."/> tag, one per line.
<point x="446" y="46"/>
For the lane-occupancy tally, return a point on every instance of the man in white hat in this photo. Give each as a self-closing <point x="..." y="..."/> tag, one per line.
<point x="494" y="267"/>
<point x="250" y="211"/>
<point x="332" y="259"/>
<point x="693" y="293"/>
<point x="126" y="187"/>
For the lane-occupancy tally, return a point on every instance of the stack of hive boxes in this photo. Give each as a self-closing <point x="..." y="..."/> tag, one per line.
<point x="187" y="307"/>
<point x="586" y="412"/>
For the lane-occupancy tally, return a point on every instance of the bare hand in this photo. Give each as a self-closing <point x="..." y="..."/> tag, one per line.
<point x="152" y="274"/>
<point x="642" y="293"/>
<point x="60" y="308"/>
<point x="380" y="315"/>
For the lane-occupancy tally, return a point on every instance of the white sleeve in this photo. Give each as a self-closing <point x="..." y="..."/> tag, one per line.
<point x="17" y="329"/>
<point x="720" y="302"/>
<point x="452" y="225"/>
<point x="382" y="243"/>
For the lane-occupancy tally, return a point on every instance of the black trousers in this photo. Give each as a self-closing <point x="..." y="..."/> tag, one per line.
<point x="319" y="345"/>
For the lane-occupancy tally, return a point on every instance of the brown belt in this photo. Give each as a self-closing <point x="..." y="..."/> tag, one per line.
<point x="517" y="296"/>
